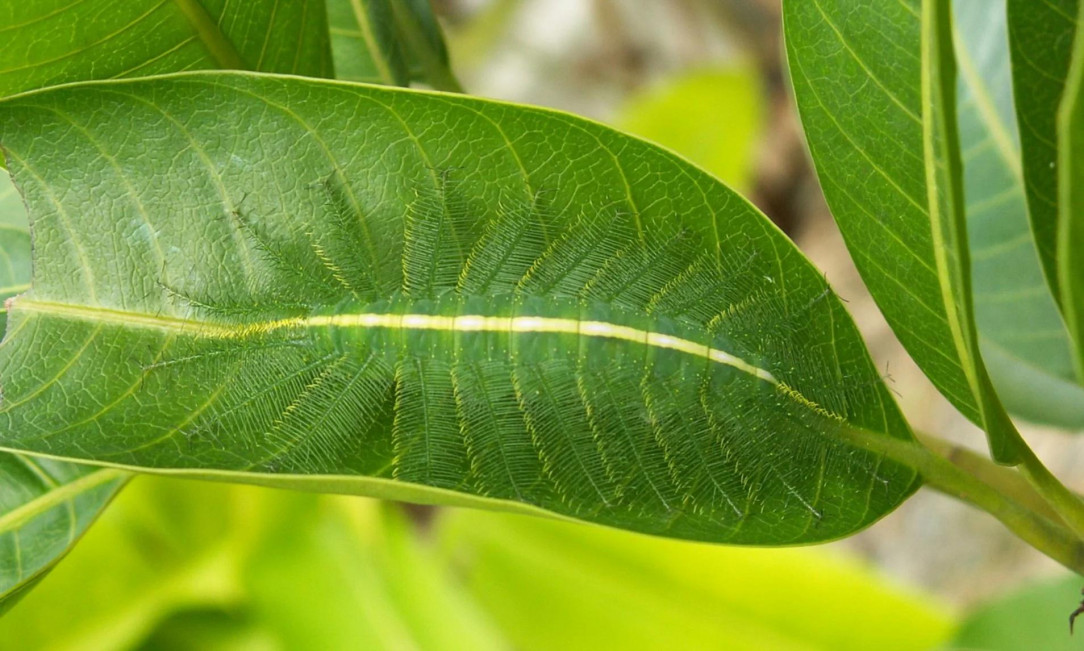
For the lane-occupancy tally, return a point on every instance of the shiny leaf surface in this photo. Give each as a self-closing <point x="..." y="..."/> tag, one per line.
<point x="875" y="85"/>
<point x="1021" y="332"/>
<point x="435" y="299"/>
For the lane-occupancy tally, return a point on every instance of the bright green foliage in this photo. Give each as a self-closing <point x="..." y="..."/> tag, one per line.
<point x="160" y="547"/>
<point x="1022" y="336"/>
<point x="875" y="85"/>
<point x="1071" y="197"/>
<point x="195" y="565"/>
<point x="345" y="573"/>
<point x="48" y="42"/>
<point x="721" y="113"/>
<point x="551" y="585"/>
<point x="55" y="42"/>
<point x="1041" y="41"/>
<point x="44" y="507"/>
<point x="391" y="42"/>
<point x="199" y="567"/>
<point x="636" y="345"/>
<point x="1035" y="617"/>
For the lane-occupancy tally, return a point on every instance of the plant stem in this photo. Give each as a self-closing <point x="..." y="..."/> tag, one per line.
<point x="984" y="485"/>
<point x="1005" y="480"/>
<point x="1039" y="531"/>
<point x="1067" y="503"/>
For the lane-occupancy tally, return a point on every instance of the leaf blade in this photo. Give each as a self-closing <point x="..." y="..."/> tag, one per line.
<point x="381" y="251"/>
<point x="891" y="174"/>
<point x="140" y="38"/>
<point x="46" y="507"/>
<point x="1021" y="332"/>
<point x="1041" y="41"/>
<point x="390" y="42"/>
<point x="1070" y="230"/>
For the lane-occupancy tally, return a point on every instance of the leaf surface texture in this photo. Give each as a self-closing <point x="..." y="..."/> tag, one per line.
<point x="430" y="298"/>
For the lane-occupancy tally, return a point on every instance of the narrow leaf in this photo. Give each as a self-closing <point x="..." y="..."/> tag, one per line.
<point x="1041" y="42"/>
<point x="1021" y="332"/>
<point x="363" y="42"/>
<point x="1071" y="197"/>
<point x="875" y="85"/>
<point x="522" y="310"/>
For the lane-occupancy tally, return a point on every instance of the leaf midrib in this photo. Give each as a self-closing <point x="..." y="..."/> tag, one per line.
<point x="400" y="321"/>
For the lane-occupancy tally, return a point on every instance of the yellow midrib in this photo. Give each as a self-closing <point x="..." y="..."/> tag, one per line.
<point x="459" y="323"/>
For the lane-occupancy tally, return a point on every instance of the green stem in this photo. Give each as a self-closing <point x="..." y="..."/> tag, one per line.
<point x="1067" y="503"/>
<point x="1003" y="498"/>
<point x="1006" y="480"/>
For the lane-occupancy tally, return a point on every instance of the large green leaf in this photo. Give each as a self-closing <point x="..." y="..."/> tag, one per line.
<point x="55" y="42"/>
<point x="1022" y="336"/>
<point x="429" y="298"/>
<point x="1041" y="40"/>
<point x="1071" y="197"/>
<point x="389" y="42"/>
<point x="49" y="42"/>
<point x="875" y="84"/>
<point x="549" y="585"/>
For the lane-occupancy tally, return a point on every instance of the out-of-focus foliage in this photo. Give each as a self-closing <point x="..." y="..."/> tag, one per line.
<point x="390" y="42"/>
<point x="552" y="585"/>
<point x="190" y="565"/>
<point x="186" y="565"/>
<point x="711" y="116"/>
<point x="1030" y="619"/>
<point x="162" y="547"/>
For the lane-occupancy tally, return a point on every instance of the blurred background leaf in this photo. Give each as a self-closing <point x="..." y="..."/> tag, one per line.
<point x="392" y="42"/>
<point x="712" y="116"/>
<point x="187" y="565"/>
<point x="1034" y="617"/>
<point x="552" y="585"/>
<point x="1022" y="335"/>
